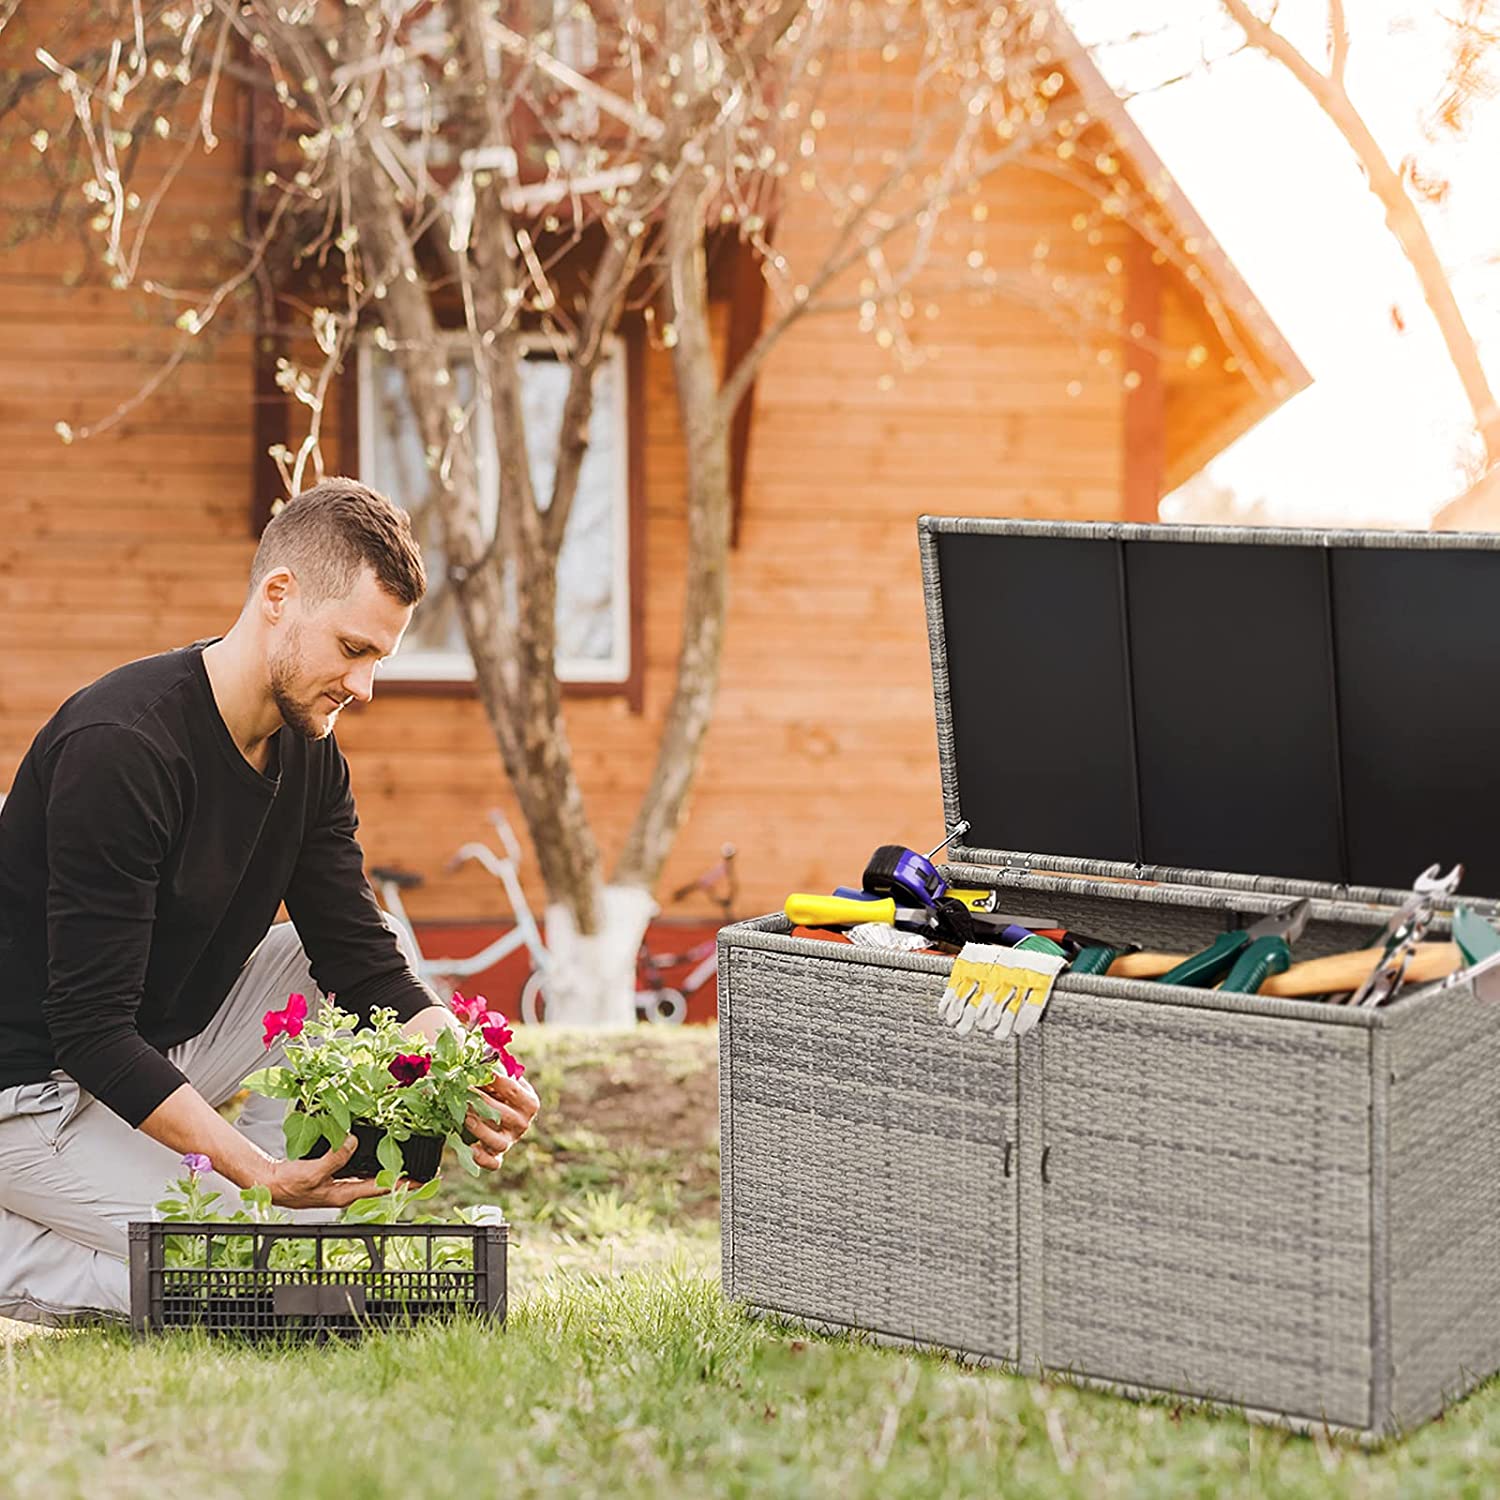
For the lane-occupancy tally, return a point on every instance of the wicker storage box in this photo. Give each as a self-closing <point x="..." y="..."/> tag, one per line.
<point x="1285" y="1205"/>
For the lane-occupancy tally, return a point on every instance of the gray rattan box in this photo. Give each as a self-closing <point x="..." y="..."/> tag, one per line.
<point x="1286" y="1205"/>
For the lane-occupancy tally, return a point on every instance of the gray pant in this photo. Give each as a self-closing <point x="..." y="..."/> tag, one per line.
<point x="73" y="1174"/>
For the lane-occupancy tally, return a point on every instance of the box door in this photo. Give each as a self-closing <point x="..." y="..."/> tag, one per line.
<point x="1206" y="1204"/>
<point x="869" y="1154"/>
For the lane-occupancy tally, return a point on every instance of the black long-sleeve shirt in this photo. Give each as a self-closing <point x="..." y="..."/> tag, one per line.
<point x="143" y="858"/>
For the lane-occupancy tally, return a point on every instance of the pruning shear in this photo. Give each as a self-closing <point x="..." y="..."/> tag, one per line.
<point x="1245" y="957"/>
<point x="1403" y="932"/>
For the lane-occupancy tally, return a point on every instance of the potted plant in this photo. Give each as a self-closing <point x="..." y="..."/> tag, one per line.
<point x="400" y="1098"/>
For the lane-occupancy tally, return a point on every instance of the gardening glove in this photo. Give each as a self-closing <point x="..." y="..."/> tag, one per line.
<point x="976" y="989"/>
<point x="1035" y="974"/>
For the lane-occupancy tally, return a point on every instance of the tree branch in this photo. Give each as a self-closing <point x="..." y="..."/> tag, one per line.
<point x="709" y="516"/>
<point x="1338" y="42"/>
<point x="601" y="317"/>
<point x="1401" y="217"/>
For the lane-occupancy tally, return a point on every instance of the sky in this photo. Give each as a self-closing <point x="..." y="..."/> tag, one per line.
<point x="1380" y="435"/>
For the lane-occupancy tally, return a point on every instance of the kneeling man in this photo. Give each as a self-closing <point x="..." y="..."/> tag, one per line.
<point x="155" y="827"/>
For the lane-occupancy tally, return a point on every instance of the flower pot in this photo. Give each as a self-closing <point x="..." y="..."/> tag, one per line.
<point x="421" y="1154"/>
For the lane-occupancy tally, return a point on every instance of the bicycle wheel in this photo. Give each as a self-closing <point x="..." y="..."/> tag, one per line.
<point x="533" y="1001"/>
<point x="661" y="1006"/>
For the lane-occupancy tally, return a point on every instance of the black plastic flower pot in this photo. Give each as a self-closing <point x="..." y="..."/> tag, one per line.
<point x="421" y="1154"/>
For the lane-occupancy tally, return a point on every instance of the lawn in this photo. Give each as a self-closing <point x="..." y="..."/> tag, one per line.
<point x="622" y="1371"/>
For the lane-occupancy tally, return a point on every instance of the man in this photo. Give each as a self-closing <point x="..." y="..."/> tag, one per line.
<point x="155" y="827"/>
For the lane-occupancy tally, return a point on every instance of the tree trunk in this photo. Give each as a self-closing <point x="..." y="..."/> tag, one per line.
<point x="512" y="658"/>
<point x="590" y="980"/>
<point x="709" y="520"/>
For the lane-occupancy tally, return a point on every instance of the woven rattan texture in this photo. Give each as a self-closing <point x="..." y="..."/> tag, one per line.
<point x="1206" y="1213"/>
<point x="872" y="1156"/>
<point x="1207" y="1221"/>
<point x="1444" y="1205"/>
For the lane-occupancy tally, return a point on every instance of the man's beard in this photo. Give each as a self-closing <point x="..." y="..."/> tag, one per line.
<point x="294" y="714"/>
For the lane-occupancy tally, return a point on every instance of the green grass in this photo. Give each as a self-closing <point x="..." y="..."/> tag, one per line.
<point x="622" y="1371"/>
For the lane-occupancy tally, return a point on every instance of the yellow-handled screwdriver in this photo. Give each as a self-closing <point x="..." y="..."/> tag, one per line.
<point x="806" y="910"/>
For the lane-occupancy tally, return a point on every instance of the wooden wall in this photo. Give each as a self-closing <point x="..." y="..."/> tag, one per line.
<point x="823" y="745"/>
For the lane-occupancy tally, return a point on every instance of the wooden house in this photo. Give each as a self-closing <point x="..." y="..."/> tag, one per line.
<point x="823" y="745"/>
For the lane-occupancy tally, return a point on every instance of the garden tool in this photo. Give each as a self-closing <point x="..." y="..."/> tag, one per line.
<point x="1404" y="932"/>
<point x="1091" y="955"/>
<point x="998" y="990"/>
<point x="1477" y="940"/>
<point x="1337" y="974"/>
<point x="950" y="921"/>
<point x="902" y="873"/>
<point x="1246" y="957"/>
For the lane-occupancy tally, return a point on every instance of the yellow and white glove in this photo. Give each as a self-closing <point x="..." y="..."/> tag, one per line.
<point x="998" y="990"/>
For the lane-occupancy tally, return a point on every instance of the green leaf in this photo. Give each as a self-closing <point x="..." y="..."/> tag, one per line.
<point x="387" y="1178"/>
<point x="485" y="1107"/>
<point x="338" y="1111"/>
<point x="328" y="1127"/>
<point x="257" y="1199"/>
<point x="426" y="1191"/>
<point x="465" y="1156"/>
<point x="300" y="1133"/>
<point x="389" y="1154"/>
<point x="274" y="1083"/>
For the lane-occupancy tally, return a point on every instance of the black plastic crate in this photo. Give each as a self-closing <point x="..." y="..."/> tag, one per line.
<point x="313" y="1281"/>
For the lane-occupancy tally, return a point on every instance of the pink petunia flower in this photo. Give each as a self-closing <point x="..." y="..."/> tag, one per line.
<point x="496" y="1032"/>
<point x="410" y="1066"/>
<point x="514" y="1068"/>
<point x="287" y="1022"/>
<point x="197" y="1163"/>
<point x="470" y="1012"/>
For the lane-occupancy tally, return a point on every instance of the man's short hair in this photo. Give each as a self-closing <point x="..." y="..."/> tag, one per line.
<point x="327" y="534"/>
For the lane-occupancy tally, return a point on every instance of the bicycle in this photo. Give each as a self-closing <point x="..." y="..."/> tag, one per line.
<point x="656" y="1000"/>
<point x="444" y="972"/>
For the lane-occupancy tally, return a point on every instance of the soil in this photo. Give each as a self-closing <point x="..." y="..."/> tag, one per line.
<point x="652" y="1093"/>
<point x="652" y="1096"/>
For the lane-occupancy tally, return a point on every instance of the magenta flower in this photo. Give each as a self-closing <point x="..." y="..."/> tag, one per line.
<point x="496" y="1032"/>
<point x="410" y="1066"/>
<point x="470" y="1012"/>
<point x="514" y="1068"/>
<point x="197" y="1163"/>
<point x="286" y="1022"/>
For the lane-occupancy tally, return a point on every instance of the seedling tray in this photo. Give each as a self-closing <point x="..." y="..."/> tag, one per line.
<point x="312" y="1281"/>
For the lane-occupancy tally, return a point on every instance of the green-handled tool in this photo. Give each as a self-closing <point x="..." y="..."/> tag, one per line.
<point x="1093" y="959"/>
<point x="1244" y="959"/>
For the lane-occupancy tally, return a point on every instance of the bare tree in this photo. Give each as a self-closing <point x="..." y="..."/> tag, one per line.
<point x="470" y="164"/>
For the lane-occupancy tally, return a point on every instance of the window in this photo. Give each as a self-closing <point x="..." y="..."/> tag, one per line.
<point x="593" y="575"/>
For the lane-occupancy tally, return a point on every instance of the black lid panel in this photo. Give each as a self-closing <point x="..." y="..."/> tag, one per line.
<point x="1235" y="730"/>
<point x="1037" y="683"/>
<point x="1419" y="704"/>
<point x="1317" y="706"/>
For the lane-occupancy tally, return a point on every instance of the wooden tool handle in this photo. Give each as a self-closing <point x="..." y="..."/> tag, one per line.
<point x="1335" y="975"/>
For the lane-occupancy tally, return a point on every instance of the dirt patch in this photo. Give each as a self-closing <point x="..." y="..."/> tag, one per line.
<point x="629" y="1130"/>
<point x="649" y="1096"/>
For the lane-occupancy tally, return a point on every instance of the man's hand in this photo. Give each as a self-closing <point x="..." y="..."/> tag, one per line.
<point x="310" y="1184"/>
<point x="518" y="1105"/>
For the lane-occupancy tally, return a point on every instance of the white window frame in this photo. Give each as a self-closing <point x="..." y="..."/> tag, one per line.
<point x="439" y="666"/>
